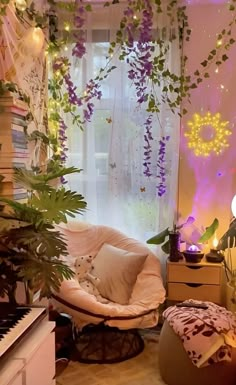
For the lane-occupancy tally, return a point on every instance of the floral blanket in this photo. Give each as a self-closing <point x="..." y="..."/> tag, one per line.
<point x="208" y="335"/>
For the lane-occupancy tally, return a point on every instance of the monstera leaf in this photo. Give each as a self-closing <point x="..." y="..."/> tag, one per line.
<point x="228" y="240"/>
<point x="8" y="279"/>
<point x="45" y="276"/>
<point x="22" y="213"/>
<point x="44" y="243"/>
<point x="40" y="182"/>
<point x="56" y="204"/>
<point x="8" y="223"/>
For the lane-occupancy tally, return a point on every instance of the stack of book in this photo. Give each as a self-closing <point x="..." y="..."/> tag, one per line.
<point x="14" y="150"/>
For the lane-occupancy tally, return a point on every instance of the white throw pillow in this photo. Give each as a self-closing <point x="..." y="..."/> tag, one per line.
<point x="117" y="270"/>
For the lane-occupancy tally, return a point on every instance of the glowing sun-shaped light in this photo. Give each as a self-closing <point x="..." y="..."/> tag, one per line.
<point x="208" y="134"/>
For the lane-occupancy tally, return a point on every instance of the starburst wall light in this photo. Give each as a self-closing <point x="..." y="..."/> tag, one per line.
<point x="208" y="134"/>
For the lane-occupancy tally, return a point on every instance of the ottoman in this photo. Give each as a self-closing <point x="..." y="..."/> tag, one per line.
<point x="177" y="369"/>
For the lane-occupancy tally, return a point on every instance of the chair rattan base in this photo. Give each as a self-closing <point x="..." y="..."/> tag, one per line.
<point x="104" y="344"/>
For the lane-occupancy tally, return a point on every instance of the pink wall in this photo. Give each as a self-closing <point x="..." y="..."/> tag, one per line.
<point x="207" y="184"/>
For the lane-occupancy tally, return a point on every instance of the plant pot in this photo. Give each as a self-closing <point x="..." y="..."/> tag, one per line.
<point x="174" y="239"/>
<point x="230" y="305"/>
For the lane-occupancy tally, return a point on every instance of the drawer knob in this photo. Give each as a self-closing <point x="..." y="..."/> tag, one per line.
<point x="193" y="284"/>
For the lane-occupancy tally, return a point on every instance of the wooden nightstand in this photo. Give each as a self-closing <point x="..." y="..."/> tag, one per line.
<point x="202" y="281"/>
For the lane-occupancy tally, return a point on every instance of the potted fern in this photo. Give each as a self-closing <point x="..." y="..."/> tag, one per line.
<point x="30" y="246"/>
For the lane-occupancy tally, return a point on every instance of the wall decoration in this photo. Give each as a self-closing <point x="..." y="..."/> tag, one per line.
<point x="208" y="134"/>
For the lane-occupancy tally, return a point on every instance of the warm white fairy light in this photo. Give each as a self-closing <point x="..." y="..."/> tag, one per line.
<point x="203" y="147"/>
<point x="21" y="5"/>
<point x="67" y="26"/>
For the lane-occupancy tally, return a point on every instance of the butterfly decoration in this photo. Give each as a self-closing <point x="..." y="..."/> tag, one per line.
<point x="142" y="189"/>
<point x="109" y="120"/>
<point x="112" y="165"/>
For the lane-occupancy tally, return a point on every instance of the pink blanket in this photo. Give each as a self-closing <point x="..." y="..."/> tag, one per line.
<point x="208" y="335"/>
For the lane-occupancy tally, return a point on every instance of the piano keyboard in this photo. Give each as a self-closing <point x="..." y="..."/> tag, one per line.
<point x="15" y="323"/>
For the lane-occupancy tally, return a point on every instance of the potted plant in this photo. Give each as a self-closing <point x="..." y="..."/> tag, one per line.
<point x="170" y="239"/>
<point x="30" y="246"/>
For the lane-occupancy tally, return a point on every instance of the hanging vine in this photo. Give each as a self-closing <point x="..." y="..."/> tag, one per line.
<point x="136" y="44"/>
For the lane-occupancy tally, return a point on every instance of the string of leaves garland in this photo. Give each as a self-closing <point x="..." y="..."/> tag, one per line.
<point x="134" y="44"/>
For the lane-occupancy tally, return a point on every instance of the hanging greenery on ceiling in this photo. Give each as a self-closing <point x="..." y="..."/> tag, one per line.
<point x="134" y="44"/>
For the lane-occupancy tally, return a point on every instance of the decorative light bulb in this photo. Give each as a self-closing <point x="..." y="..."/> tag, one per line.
<point x="233" y="206"/>
<point x="21" y="5"/>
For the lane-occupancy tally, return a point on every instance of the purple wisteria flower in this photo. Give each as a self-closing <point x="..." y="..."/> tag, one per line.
<point x="79" y="49"/>
<point x="161" y="186"/>
<point x="71" y="89"/>
<point x="147" y="146"/>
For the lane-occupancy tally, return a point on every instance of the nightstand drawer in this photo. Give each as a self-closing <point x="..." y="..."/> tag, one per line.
<point x="183" y="291"/>
<point x="210" y="275"/>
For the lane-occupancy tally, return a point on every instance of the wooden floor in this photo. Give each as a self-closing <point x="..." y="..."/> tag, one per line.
<point x="141" y="370"/>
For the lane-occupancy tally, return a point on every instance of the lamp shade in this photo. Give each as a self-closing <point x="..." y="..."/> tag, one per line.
<point x="233" y="206"/>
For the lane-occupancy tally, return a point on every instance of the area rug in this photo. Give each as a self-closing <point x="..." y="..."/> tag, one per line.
<point x="141" y="370"/>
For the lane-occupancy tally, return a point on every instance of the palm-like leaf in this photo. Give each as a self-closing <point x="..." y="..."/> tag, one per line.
<point x="9" y="223"/>
<point x="8" y="279"/>
<point x="45" y="276"/>
<point x="56" y="204"/>
<point x="23" y="212"/>
<point x="42" y="244"/>
<point x="40" y="182"/>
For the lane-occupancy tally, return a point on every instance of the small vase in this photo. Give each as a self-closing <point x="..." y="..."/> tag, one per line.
<point x="174" y="238"/>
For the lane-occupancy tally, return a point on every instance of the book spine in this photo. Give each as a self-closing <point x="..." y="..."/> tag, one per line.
<point x="13" y="154"/>
<point x="14" y="163"/>
<point x="18" y="120"/>
<point x="8" y="191"/>
<point x="9" y="99"/>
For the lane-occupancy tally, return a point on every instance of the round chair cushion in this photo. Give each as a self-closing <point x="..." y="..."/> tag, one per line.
<point x="177" y="369"/>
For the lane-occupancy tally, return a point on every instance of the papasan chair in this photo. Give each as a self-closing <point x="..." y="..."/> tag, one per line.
<point x="131" y="280"/>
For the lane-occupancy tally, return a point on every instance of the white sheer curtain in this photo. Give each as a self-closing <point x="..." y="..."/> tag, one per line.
<point x="110" y="149"/>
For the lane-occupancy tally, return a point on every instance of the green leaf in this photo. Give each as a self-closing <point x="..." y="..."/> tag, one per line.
<point x="47" y="276"/>
<point x="166" y="247"/>
<point x="56" y="204"/>
<point x="210" y="231"/>
<point x="159" y="238"/>
<point x="42" y="244"/>
<point x="9" y="223"/>
<point x="229" y="237"/>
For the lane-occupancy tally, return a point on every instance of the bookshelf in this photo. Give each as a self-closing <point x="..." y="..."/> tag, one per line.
<point x="14" y="150"/>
